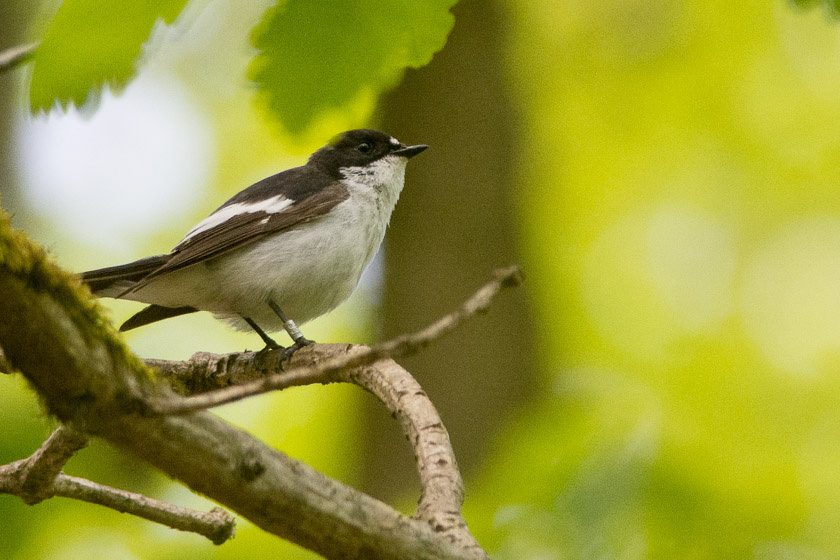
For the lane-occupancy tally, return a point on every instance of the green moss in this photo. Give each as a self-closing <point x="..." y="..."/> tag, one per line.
<point x="24" y="259"/>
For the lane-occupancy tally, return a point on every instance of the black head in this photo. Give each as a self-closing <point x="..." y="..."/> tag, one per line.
<point x="360" y="147"/>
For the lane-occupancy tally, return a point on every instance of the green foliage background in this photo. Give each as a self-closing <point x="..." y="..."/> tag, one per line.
<point x="679" y="223"/>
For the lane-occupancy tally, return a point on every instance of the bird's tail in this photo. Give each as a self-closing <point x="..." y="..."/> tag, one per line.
<point x="116" y="280"/>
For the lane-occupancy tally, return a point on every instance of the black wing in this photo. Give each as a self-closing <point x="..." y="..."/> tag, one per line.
<point x="152" y="314"/>
<point x="249" y="227"/>
<point x="104" y="278"/>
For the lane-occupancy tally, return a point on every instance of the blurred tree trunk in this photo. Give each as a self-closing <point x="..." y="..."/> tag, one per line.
<point x="454" y="224"/>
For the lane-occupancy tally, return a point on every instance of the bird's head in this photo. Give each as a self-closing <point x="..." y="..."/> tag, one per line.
<point x="363" y="148"/>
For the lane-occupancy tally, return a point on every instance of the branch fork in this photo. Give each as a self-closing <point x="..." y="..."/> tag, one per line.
<point x="39" y="477"/>
<point x="58" y="342"/>
<point x="174" y="433"/>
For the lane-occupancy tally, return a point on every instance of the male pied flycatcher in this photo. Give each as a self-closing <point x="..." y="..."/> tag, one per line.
<point x="279" y="253"/>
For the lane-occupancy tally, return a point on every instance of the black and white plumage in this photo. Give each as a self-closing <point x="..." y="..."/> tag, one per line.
<point x="281" y="252"/>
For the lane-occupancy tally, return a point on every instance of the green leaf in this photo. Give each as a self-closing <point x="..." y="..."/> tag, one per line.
<point x="91" y="44"/>
<point x="320" y="56"/>
<point x="832" y="6"/>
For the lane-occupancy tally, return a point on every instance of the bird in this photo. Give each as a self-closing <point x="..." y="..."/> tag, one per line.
<point x="279" y="253"/>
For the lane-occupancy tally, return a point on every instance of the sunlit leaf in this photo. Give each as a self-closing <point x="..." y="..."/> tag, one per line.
<point x="92" y="44"/>
<point x="317" y="56"/>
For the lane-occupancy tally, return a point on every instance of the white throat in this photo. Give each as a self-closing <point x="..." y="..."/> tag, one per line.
<point x="383" y="179"/>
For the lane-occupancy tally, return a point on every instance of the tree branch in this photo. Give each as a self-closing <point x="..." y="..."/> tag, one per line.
<point x="15" y="56"/>
<point x="217" y="524"/>
<point x="39" y="477"/>
<point x="370" y="368"/>
<point x="87" y="377"/>
<point x="39" y="471"/>
<point x="5" y="366"/>
<point x="326" y="371"/>
<point x="443" y="489"/>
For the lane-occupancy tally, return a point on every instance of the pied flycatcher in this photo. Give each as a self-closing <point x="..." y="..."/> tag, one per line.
<point x="281" y="252"/>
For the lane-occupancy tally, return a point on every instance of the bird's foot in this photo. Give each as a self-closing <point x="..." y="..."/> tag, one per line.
<point x="269" y="342"/>
<point x="271" y="345"/>
<point x="299" y="343"/>
<point x="265" y="359"/>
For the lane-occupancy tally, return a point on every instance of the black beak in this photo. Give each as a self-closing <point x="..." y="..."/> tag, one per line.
<point x="409" y="151"/>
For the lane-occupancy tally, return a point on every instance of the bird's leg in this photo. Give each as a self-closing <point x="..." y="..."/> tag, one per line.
<point x="269" y="342"/>
<point x="292" y="329"/>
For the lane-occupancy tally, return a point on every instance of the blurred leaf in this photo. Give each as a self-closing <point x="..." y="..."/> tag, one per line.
<point x="91" y="44"/>
<point x="317" y="56"/>
<point x="833" y="6"/>
<point x="604" y="467"/>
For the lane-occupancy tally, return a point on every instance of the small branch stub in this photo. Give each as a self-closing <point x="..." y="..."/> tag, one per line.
<point x="15" y="56"/>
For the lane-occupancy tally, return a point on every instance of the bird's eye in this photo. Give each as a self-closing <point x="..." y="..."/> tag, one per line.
<point x="365" y="148"/>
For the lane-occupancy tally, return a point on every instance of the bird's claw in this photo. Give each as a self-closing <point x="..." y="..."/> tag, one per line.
<point x="299" y="343"/>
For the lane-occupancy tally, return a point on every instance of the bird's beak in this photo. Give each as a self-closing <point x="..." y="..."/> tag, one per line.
<point x="409" y="151"/>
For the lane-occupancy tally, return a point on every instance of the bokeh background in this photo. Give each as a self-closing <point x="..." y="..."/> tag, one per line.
<point x="665" y="384"/>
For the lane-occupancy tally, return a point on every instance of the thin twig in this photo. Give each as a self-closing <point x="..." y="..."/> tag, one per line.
<point x="15" y="56"/>
<point x="326" y="371"/>
<point x="217" y="524"/>
<point x="39" y="477"/>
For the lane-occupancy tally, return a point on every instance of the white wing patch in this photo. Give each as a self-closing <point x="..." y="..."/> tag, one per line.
<point x="271" y="205"/>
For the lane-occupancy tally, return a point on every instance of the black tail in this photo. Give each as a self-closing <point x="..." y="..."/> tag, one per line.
<point x="109" y="282"/>
<point x="154" y="313"/>
<point x="114" y="281"/>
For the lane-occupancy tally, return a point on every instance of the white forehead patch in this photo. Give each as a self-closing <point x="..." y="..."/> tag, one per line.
<point x="394" y="141"/>
<point x="271" y="205"/>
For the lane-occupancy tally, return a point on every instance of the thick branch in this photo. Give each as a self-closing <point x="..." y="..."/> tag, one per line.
<point x="85" y="375"/>
<point x="443" y="490"/>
